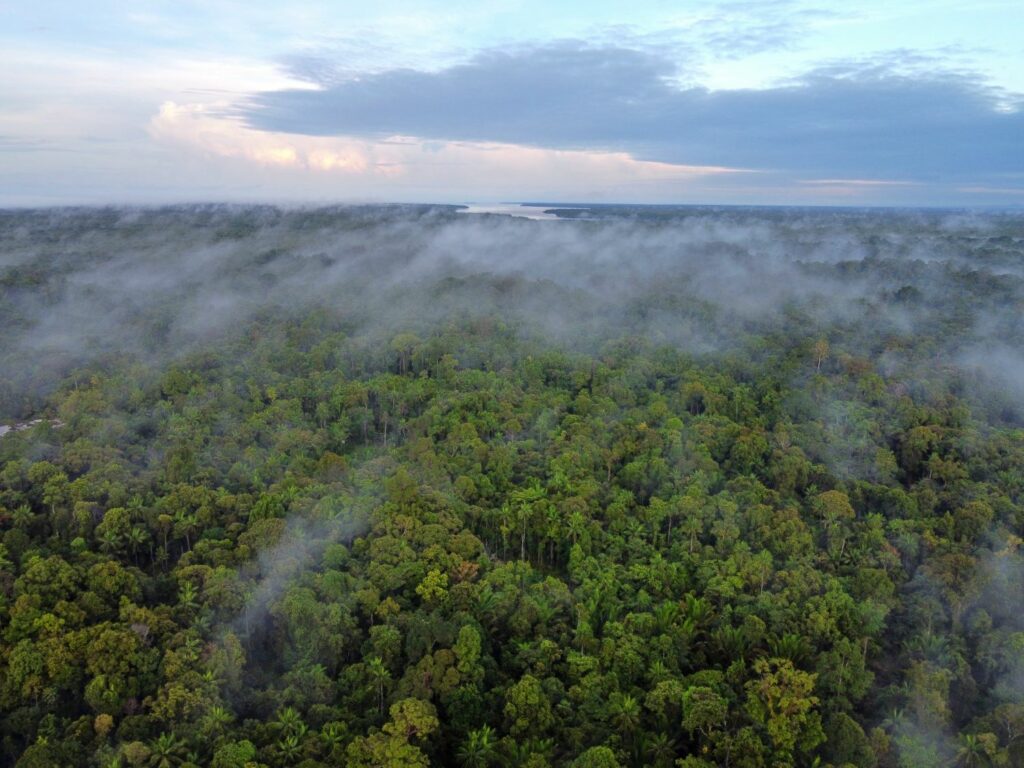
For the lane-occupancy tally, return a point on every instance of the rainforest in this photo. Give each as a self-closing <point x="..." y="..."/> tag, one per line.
<point x="409" y="486"/>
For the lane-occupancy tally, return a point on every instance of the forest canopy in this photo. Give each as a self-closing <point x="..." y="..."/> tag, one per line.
<point x="404" y="486"/>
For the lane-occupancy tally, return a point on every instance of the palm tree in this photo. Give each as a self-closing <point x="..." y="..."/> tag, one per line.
<point x="972" y="752"/>
<point x="693" y="527"/>
<point x="203" y="623"/>
<point x="289" y="722"/>
<point x="894" y="719"/>
<point x="697" y="608"/>
<point x="635" y="531"/>
<point x="576" y="525"/>
<point x="110" y="541"/>
<point x="185" y="524"/>
<point x="526" y="501"/>
<point x="544" y="609"/>
<point x="518" y="753"/>
<point x="661" y="750"/>
<point x="658" y="671"/>
<point x="137" y="538"/>
<point x="23" y="516"/>
<point x="217" y="719"/>
<point x="187" y="596"/>
<point x="625" y="712"/>
<point x="332" y="735"/>
<point x="486" y="603"/>
<point x="166" y="751"/>
<point x="665" y="615"/>
<point x="381" y="676"/>
<point x="636" y="755"/>
<point x="543" y="747"/>
<point x="931" y="646"/>
<point x="790" y="646"/>
<point x="731" y="642"/>
<point x="290" y="749"/>
<point x="478" y="750"/>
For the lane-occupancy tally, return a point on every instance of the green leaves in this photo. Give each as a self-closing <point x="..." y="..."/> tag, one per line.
<point x="780" y="699"/>
<point x="527" y="708"/>
<point x="630" y="557"/>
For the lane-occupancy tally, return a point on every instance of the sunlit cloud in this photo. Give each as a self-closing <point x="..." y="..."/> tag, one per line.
<point x="199" y="128"/>
<point x="206" y="129"/>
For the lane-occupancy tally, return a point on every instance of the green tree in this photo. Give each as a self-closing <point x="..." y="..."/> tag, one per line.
<point x="166" y="751"/>
<point x="479" y="749"/>
<point x="596" y="757"/>
<point x="527" y="708"/>
<point x="780" y="699"/>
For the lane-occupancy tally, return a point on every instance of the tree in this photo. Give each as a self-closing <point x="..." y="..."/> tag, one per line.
<point x="166" y="751"/>
<point x="865" y="525"/>
<point x="479" y="749"/>
<point x="234" y="754"/>
<point x="821" y="351"/>
<point x="847" y="744"/>
<point x="780" y="700"/>
<point x="596" y="757"/>
<point x="434" y="587"/>
<point x="403" y="345"/>
<point x="835" y="511"/>
<point x="412" y="720"/>
<point x="526" y="505"/>
<point x="661" y="750"/>
<point x="976" y="750"/>
<point x="289" y="749"/>
<point x="527" y="708"/>
<point x="624" y="713"/>
<point x="381" y="676"/>
<point x="704" y="711"/>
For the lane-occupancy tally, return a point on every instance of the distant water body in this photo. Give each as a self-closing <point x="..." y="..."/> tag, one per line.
<point x="536" y="212"/>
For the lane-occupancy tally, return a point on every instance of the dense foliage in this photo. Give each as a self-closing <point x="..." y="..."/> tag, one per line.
<point x="307" y="539"/>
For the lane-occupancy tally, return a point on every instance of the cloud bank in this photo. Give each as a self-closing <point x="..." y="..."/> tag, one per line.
<point x="870" y="120"/>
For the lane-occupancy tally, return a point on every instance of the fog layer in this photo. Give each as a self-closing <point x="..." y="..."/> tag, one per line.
<point x="903" y="289"/>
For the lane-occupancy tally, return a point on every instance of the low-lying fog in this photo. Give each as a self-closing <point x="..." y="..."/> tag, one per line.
<point x="903" y="289"/>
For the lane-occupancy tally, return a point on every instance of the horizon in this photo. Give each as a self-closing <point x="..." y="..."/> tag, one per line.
<point x="286" y="205"/>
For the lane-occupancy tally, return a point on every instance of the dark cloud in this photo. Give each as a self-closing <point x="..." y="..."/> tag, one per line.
<point x="876" y="121"/>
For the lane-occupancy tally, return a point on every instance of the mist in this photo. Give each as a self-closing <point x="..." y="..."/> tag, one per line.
<point x="902" y="289"/>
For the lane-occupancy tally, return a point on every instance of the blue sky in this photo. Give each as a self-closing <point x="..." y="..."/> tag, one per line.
<point x="873" y="103"/>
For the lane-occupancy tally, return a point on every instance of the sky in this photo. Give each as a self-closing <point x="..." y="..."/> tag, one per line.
<point x="895" y="102"/>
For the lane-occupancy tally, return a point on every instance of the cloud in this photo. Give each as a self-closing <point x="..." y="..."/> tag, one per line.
<point x="736" y="29"/>
<point x="992" y="190"/>
<point x="205" y="129"/>
<point x="198" y="126"/>
<point x="20" y="144"/>
<point x="854" y="121"/>
<point x="858" y="183"/>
